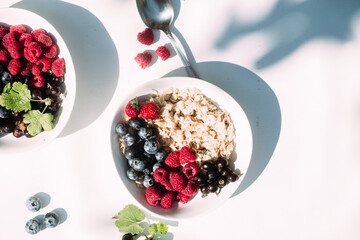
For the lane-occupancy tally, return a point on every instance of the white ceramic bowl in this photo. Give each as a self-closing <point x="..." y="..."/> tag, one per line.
<point x="241" y="157"/>
<point x="9" y="144"/>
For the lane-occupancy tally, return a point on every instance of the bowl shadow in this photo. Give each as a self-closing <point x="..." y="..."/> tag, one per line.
<point x="259" y="103"/>
<point x="94" y="55"/>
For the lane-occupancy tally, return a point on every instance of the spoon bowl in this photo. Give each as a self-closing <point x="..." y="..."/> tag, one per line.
<point x="159" y="14"/>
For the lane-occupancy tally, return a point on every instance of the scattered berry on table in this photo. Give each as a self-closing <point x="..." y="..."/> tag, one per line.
<point x="33" y="204"/>
<point x="121" y="129"/>
<point x="33" y="226"/>
<point x="51" y="220"/>
<point x="143" y="59"/>
<point x="149" y="111"/>
<point x="146" y="37"/>
<point x="163" y="52"/>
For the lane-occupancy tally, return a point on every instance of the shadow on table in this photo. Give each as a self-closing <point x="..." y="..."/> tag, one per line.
<point x="259" y="103"/>
<point x="292" y="24"/>
<point x="93" y="53"/>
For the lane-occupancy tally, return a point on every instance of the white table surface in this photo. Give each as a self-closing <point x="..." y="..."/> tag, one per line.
<point x="305" y="100"/>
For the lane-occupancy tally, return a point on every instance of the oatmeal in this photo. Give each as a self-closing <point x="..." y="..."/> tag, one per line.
<point x="189" y="118"/>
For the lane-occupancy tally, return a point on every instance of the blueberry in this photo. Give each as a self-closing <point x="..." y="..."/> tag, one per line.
<point x="33" y="204"/>
<point x="145" y="133"/>
<point x="151" y="146"/>
<point x="148" y="181"/>
<point x="140" y="146"/>
<point x="148" y="158"/>
<point x="131" y="152"/>
<point x="4" y="113"/>
<point x="160" y="156"/>
<point x="6" y="77"/>
<point x="131" y="161"/>
<point x="132" y="174"/>
<point x="156" y="166"/>
<point x="135" y="123"/>
<point x="139" y="165"/>
<point x="121" y="129"/>
<point x="33" y="226"/>
<point x="51" y="220"/>
<point x="147" y="171"/>
<point x="1" y="68"/>
<point x="129" y="139"/>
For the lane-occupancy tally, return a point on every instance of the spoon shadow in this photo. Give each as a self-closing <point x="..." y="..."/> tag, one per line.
<point x="259" y="103"/>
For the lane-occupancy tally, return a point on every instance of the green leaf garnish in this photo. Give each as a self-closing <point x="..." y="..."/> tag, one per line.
<point x="128" y="219"/>
<point x="153" y="229"/>
<point x="162" y="228"/>
<point x="17" y="98"/>
<point x="38" y="121"/>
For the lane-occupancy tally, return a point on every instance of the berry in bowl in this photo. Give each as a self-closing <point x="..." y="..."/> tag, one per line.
<point x="181" y="146"/>
<point x="37" y="81"/>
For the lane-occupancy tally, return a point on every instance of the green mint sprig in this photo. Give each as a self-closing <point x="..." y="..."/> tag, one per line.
<point x="130" y="219"/>
<point x="17" y="97"/>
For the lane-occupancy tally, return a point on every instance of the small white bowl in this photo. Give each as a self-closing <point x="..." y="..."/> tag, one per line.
<point x="241" y="157"/>
<point x="9" y="144"/>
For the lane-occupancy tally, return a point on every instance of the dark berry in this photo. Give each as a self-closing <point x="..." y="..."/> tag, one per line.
<point x="200" y="179"/>
<point x="212" y="187"/>
<point x="6" y="77"/>
<point x="135" y="123"/>
<point x="160" y="155"/>
<point x="148" y="158"/>
<point x="148" y="181"/>
<point x="226" y="172"/>
<point x="212" y="174"/>
<point x="145" y="133"/>
<point x="233" y="177"/>
<point x="27" y="134"/>
<point x="51" y="220"/>
<point x="207" y="165"/>
<point x="156" y="166"/>
<point x="138" y="165"/>
<point x="222" y="163"/>
<point x="127" y="236"/>
<point x="129" y="139"/>
<point x="36" y="94"/>
<point x="222" y="181"/>
<point x="131" y="152"/>
<point x="33" y="204"/>
<point x="147" y="171"/>
<point x="204" y="190"/>
<point x="121" y="129"/>
<point x="18" y="133"/>
<point x="151" y="146"/>
<point x="33" y="226"/>
<point x="132" y="174"/>
<point x="4" y="113"/>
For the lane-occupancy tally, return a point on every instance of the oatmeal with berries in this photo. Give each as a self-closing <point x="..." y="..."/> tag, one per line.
<point x="189" y="118"/>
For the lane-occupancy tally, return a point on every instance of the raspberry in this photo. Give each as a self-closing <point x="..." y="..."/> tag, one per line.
<point x="26" y="39"/>
<point x="37" y="82"/>
<point x="9" y="40"/>
<point x="37" y="32"/>
<point x="32" y="52"/>
<point x="15" y="52"/>
<point x="45" y="39"/>
<point x="3" y="31"/>
<point x="36" y="70"/>
<point x="51" y="52"/>
<point x="149" y="111"/>
<point x="18" y="30"/>
<point x="132" y="108"/>
<point x="191" y="189"/>
<point x="153" y="196"/>
<point x="26" y="67"/>
<point x="58" y="67"/>
<point x="14" y="66"/>
<point x="190" y="170"/>
<point x="167" y="200"/>
<point x="160" y="175"/>
<point x="166" y="183"/>
<point x="44" y="64"/>
<point x="177" y="181"/>
<point x="186" y="155"/>
<point x="173" y="160"/>
<point x="182" y="198"/>
<point x="4" y="57"/>
<point x="143" y="59"/>
<point x="146" y="37"/>
<point x="163" y="52"/>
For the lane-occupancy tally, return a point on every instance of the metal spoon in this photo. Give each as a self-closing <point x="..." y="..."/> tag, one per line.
<point x="159" y="14"/>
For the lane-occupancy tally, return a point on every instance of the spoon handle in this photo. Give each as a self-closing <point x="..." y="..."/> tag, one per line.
<point x="183" y="58"/>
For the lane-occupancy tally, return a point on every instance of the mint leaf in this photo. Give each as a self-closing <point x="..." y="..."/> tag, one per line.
<point x="17" y="98"/>
<point x="38" y="121"/>
<point x="7" y="88"/>
<point x="162" y="228"/>
<point x="128" y="219"/>
<point x="153" y="229"/>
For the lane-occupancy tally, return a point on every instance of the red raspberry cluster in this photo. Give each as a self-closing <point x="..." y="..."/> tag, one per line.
<point x="29" y="52"/>
<point x="175" y="180"/>
<point x="144" y="59"/>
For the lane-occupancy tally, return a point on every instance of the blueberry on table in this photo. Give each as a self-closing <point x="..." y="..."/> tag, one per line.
<point x="33" y="204"/>
<point x="151" y="146"/>
<point x="33" y="226"/>
<point x="132" y="174"/>
<point x="121" y="129"/>
<point x="51" y="220"/>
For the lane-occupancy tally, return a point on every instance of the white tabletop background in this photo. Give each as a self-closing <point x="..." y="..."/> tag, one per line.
<point x="304" y="110"/>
